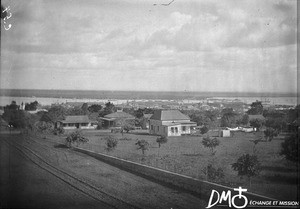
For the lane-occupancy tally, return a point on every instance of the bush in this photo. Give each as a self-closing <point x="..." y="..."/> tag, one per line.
<point x="161" y="140"/>
<point x="76" y="137"/>
<point x="247" y="165"/>
<point x="143" y="145"/>
<point x="213" y="174"/>
<point x="204" y="130"/>
<point x="111" y="143"/>
<point x="210" y="143"/>
<point x="290" y="147"/>
<point x="58" y="131"/>
<point x="44" y="127"/>
<point x="270" y="133"/>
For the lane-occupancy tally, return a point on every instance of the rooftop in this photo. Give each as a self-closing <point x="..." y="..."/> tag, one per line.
<point x="120" y="115"/>
<point x="169" y="115"/>
<point x="76" y="119"/>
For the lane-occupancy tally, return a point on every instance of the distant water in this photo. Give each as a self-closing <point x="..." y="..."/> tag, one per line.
<point x="46" y="97"/>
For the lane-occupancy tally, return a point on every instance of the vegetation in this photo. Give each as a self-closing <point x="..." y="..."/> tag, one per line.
<point x="210" y="143"/>
<point x="247" y="165"/>
<point x="161" y="140"/>
<point x="76" y="137"/>
<point x="111" y="143"/>
<point x="142" y="145"/>
<point x="229" y="118"/>
<point x="128" y="126"/>
<point x="44" y="127"/>
<point x="109" y="108"/>
<point x="59" y="131"/>
<point x="213" y="174"/>
<point x="95" y="108"/>
<point x="290" y="147"/>
<point x="256" y="108"/>
<point x="204" y="130"/>
<point x="270" y="133"/>
<point x="31" y="106"/>
<point x="256" y="123"/>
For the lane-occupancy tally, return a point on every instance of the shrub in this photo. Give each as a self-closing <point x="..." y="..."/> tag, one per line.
<point x="210" y="143"/>
<point x="290" y="147"/>
<point x="142" y="145"/>
<point x="44" y="127"/>
<point x="161" y="140"/>
<point x="213" y="174"/>
<point x="247" y="165"/>
<point x="270" y="133"/>
<point x="111" y="143"/>
<point x="76" y="137"/>
<point x="58" y="131"/>
<point x="204" y="130"/>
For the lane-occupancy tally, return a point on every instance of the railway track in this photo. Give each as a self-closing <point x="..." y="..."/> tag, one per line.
<point x="79" y="184"/>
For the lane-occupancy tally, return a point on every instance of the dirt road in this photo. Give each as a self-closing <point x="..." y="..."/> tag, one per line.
<point x="36" y="173"/>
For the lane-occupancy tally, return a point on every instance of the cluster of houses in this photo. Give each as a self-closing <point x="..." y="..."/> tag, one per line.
<point x="162" y="122"/>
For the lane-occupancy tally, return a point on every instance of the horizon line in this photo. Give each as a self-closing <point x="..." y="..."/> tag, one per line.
<point x="161" y="91"/>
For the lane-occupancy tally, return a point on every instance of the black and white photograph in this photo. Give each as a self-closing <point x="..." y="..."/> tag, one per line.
<point x="149" y="104"/>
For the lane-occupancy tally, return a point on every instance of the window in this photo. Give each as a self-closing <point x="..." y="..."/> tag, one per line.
<point x="151" y="127"/>
<point x="183" y="128"/>
<point x="172" y="129"/>
<point x="157" y="128"/>
<point x="176" y="129"/>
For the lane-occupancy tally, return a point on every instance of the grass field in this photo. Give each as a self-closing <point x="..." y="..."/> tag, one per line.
<point x="186" y="155"/>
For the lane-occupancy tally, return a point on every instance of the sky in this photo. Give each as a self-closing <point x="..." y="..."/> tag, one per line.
<point x="142" y="45"/>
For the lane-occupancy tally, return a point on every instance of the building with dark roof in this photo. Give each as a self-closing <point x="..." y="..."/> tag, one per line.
<point x="170" y="123"/>
<point x="77" y="121"/>
<point x="116" y="119"/>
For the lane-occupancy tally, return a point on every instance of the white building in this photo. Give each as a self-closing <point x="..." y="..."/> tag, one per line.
<point x="77" y="121"/>
<point x="170" y="123"/>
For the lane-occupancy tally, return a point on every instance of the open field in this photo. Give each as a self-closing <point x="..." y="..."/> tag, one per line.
<point x="186" y="155"/>
<point x="37" y="173"/>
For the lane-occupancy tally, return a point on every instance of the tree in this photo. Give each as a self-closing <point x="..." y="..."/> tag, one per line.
<point x="44" y="127"/>
<point x="256" y="123"/>
<point x="16" y="118"/>
<point x="247" y="165"/>
<point x="109" y="108"/>
<point x="94" y="108"/>
<point x="12" y="106"/>
<point x="270" y="133"/>
<point x="111" y="143"/>
<point x="256" y="108"/>
<point x="126" y="125"/>
<point x="76" y="137"/>
<point x="290" y="147"/>
<point x="57" y="112"/>
<point x="228" y="118"/>
<point x="204" y="130"/>
<point x="31" y="106"/>
<point x="142" y="145"/>
<point x="76" y="110"/>
<point x="213" y="174"/>
<point x="84" y="108"/>
<point x="245" y="119"/>
<point x="276" y="119"/>
<point x="210" y="143"/>
<point x="161" y="140"/>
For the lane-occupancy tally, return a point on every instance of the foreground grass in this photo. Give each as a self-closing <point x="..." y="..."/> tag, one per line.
<point x="186" y="155"/>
